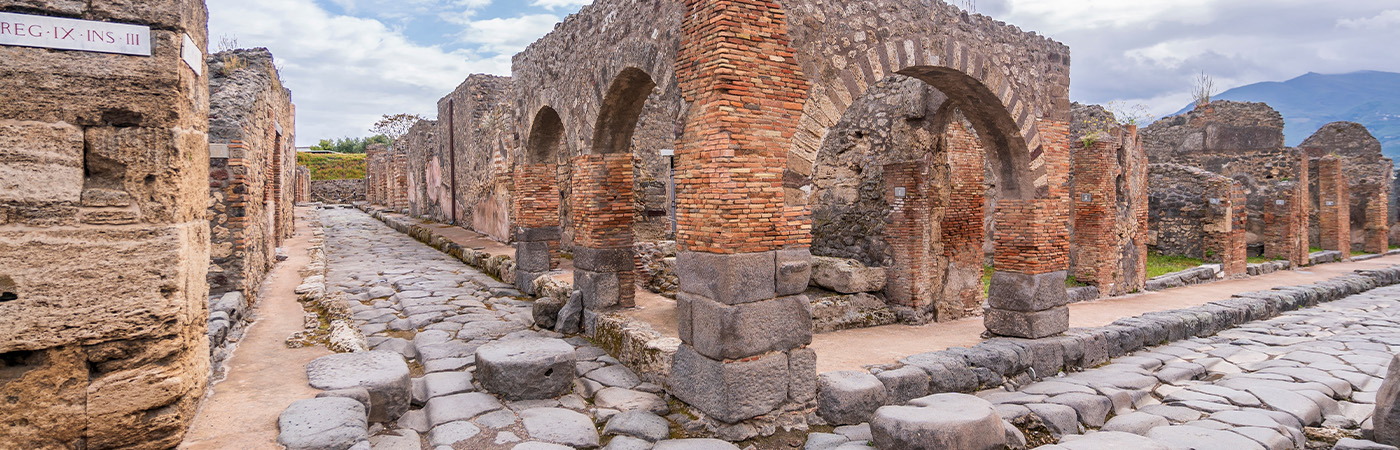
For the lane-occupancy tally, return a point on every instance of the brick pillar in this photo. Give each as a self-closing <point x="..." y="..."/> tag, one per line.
<point x="1377" y="218"/>
<point x="1225" y="229"/>
<point x="1336" y="206"/>
<point x="1028" y="297"/>
<point x="909" y="233"/>
<point x="536" y="204"/>
<point x="1095" y="199"/>
<point x="743" y="264"/>
<point x="603" y="215"/>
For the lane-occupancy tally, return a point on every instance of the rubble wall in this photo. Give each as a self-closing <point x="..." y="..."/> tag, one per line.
<point x="104" y="162"/>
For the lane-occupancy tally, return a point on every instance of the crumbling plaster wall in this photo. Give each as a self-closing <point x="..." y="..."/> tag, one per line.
<point x="480" y="126"/>
<point x="104" y="190"/>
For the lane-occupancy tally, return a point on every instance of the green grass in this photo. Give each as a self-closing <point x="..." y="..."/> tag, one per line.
<point x="334" y="167"/>
<point x="1158" y="265"/>
<point x="1314" y="249"/>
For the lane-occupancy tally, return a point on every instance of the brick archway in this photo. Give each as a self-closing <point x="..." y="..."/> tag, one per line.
<point x="602" y="198"/>
<point x="536" y="200"/>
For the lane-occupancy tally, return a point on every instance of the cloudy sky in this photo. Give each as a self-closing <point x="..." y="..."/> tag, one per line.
<point x="350" y="61"/>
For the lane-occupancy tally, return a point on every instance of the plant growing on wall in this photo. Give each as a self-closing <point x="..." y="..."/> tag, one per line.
<point x="1203" y="90"/>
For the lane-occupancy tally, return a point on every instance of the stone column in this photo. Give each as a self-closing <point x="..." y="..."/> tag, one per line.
<point x="1336" y="206"/>
<point x="1028" y="297"/>
<point x="104" y="230"/>
<point x="742" y="265"/>
<point x="536" y="231"/>
<point x="603" y="211"/>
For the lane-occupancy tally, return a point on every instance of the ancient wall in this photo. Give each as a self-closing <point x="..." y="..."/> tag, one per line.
<point x="338" y="191"/>
<point x="104" y="190"/>
<point x="1109" y="192"/>
<point x="302" y="191"/>
<point x="422" y="151"/>
<point x="1193" y="213"/>
<point x="1369" y="177"/>
<point x="1334" y="206"/>
<point x="475" y="125"/>
<point x="251" y="170"/>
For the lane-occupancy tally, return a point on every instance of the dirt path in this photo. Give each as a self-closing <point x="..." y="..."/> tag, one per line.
<point x="852" y="349"/>
<point x="264" y="376"/>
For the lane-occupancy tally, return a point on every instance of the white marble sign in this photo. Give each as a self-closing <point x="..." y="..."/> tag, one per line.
<point x="193" y="56"/>
<point x="69" y="34"/>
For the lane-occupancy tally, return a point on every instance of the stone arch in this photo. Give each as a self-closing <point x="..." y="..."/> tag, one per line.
<point x="603" y="193"/>
<point x="1012" y="86"/>
<point x="546" y="135"/>
<point x="537" y="200"/>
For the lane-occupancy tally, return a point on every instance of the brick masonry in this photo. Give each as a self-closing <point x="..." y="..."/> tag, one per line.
<point x="1335" y="206"/>
<point x="1198" y="214"/>
<point x="1110" y="212"/>
<point x="1370" y="178"/>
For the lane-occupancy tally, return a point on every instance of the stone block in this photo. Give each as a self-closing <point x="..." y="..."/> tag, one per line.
<point x="532" y="256"/>
<point x="384" y="374"/>
<point x="526" y="369"/>
<point x="949" y="373"/>
<point x="942" y="421"/>
<point x="904" y="384"/>
<point x="849" y="397"/>
<point x="721" y="331"/>
<point x="329" y="423"/>
<point x="525" y="280"/>
<point x="1027" y="293"/>
<point x="794" y="272"/>
<point x="729" y="279"/>
<point x="1387" y="416"/>
<point x="599" y="290"/>
<point x="846" y="276"/>
<point x="604" y="259"/>
<point x="730" y="391"/>
<point x="40" y="162"/>
<point x="1029" y="325"/>
<point x="802" y="376"/>
<point x="541" y="234"/>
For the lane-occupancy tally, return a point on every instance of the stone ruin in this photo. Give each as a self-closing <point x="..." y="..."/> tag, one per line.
<point x="1369" y="180"/>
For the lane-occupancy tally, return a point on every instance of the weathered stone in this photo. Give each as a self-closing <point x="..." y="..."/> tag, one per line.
<point x="904" y="384"/>
<point x="802" y="376"/>
<point x="628" y="443"/>
<point x="526" y="369"/>
<point x="384" y="374"/>
<point x="452" y="432"/>
<point x="794" y="272"/>
<point x="460" y="407"/>
<point x="846" y="276"/>
<point x="694" y="444"/>
<point x="603" y="260"/>
<point x="1136" y="422"/>
<point x="1387" y="415"/>
<point x="560" y="426"/>
<point x="629" y="400"/>
<point x="571" y="315"/>
<point x="545" y="311"/>
<point x="849" y="397"/>
<point x="1020" y="292"/>
<point x="358" y="394"/>
<point x="639" y="424"/>
<point x="1110" y="440"/>
<point x="1190" y="437"/>
<point x="1030" y="325"/>
<point x="728" y="279"/>
<point x="721" y="331"/>
<point x="939" y="421"/>
<point x="333" y="423"/>
<point x="730" y="392"/>
<point x="447" y="383"/>
<point x="1357" y="444"/>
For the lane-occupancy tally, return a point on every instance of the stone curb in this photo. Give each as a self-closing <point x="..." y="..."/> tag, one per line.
<point x="1001" y="361"/>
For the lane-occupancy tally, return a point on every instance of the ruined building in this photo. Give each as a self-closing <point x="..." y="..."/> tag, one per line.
<point x="1369" y="180"/>
<point x="104" y="232"/>
<point x="252" y="168"/>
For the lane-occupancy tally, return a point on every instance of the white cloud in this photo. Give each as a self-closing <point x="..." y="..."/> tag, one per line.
<point x="556" y="4"/>
<point x="1389" y="18"/>
<point x="507" y="35"/>
<point x="345" y="71"/>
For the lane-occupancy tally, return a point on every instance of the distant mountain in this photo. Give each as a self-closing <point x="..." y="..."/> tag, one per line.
<point x="1313" y="100"/>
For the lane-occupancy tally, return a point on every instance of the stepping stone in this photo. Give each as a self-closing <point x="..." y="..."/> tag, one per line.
<point x="452" y="433"/>
<point x="849" y="397"/>
<point x="615" y="376"/>
<point x="1182" y="437"/>
<point x="941" y="421"/>
<point x="1110" y="440"/>
<point x="447" y="383"/>
<point x="526" y="369"/>
<point x="695" y="444"/>
<point x="460" y="407"/>
<point x="560" y="426"/>
<point x="639" y="424"/>
<point x="384" y="374"/>
<point x="328" y="423"/>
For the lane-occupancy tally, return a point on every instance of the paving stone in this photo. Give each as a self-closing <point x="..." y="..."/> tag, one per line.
<point x="1269" y="438"/>
<point x="941" y="421"/>
<point x="1110" y="440"/>
<point x="447" y="383"/>
<point x="330" y="423"/>
<point x="452" y="432"/>
<point x="849" y="397"/>
<point x="1136" y="422"/>
<point x="460" y="407"/>
<point x="1181" y="437"/>
<point x="615" y="376"/>
<point x="497" y="420"/>
<point x="1059" y="419"/>
<point x="539" y="446"/>
<point x="401" y="439"/>
<point x="448" y="364"/>
<point x="630" y="400"/>
<point x="1092" y="409"/>
<point x="526" y="369"/>
<point x="856" y="433"/>
<point x="1292" y="403"/>
<point x="628" y="443"/>
<point x="904" y="384"/>
<point x="384" y="374"/>
<point x="1357" y="444"/>
<point x="695" y="444"/>
<point x="824" y="441"/>
<point x="638" y="424"/>
<point x="560" y="426"/>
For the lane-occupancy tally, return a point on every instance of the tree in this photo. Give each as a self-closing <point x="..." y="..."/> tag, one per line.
<point x="350" y="145"/>
<point x="395" y="126"/>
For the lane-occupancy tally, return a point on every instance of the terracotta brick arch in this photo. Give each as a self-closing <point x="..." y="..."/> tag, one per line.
<point x="1012" y="87"/>
<point x="536" y="200"/>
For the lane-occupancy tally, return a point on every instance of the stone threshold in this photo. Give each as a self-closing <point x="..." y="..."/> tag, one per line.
<point x="1007" y="362"/>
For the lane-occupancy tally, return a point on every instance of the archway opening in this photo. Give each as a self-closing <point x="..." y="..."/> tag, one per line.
<point x="537" y="201"/>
